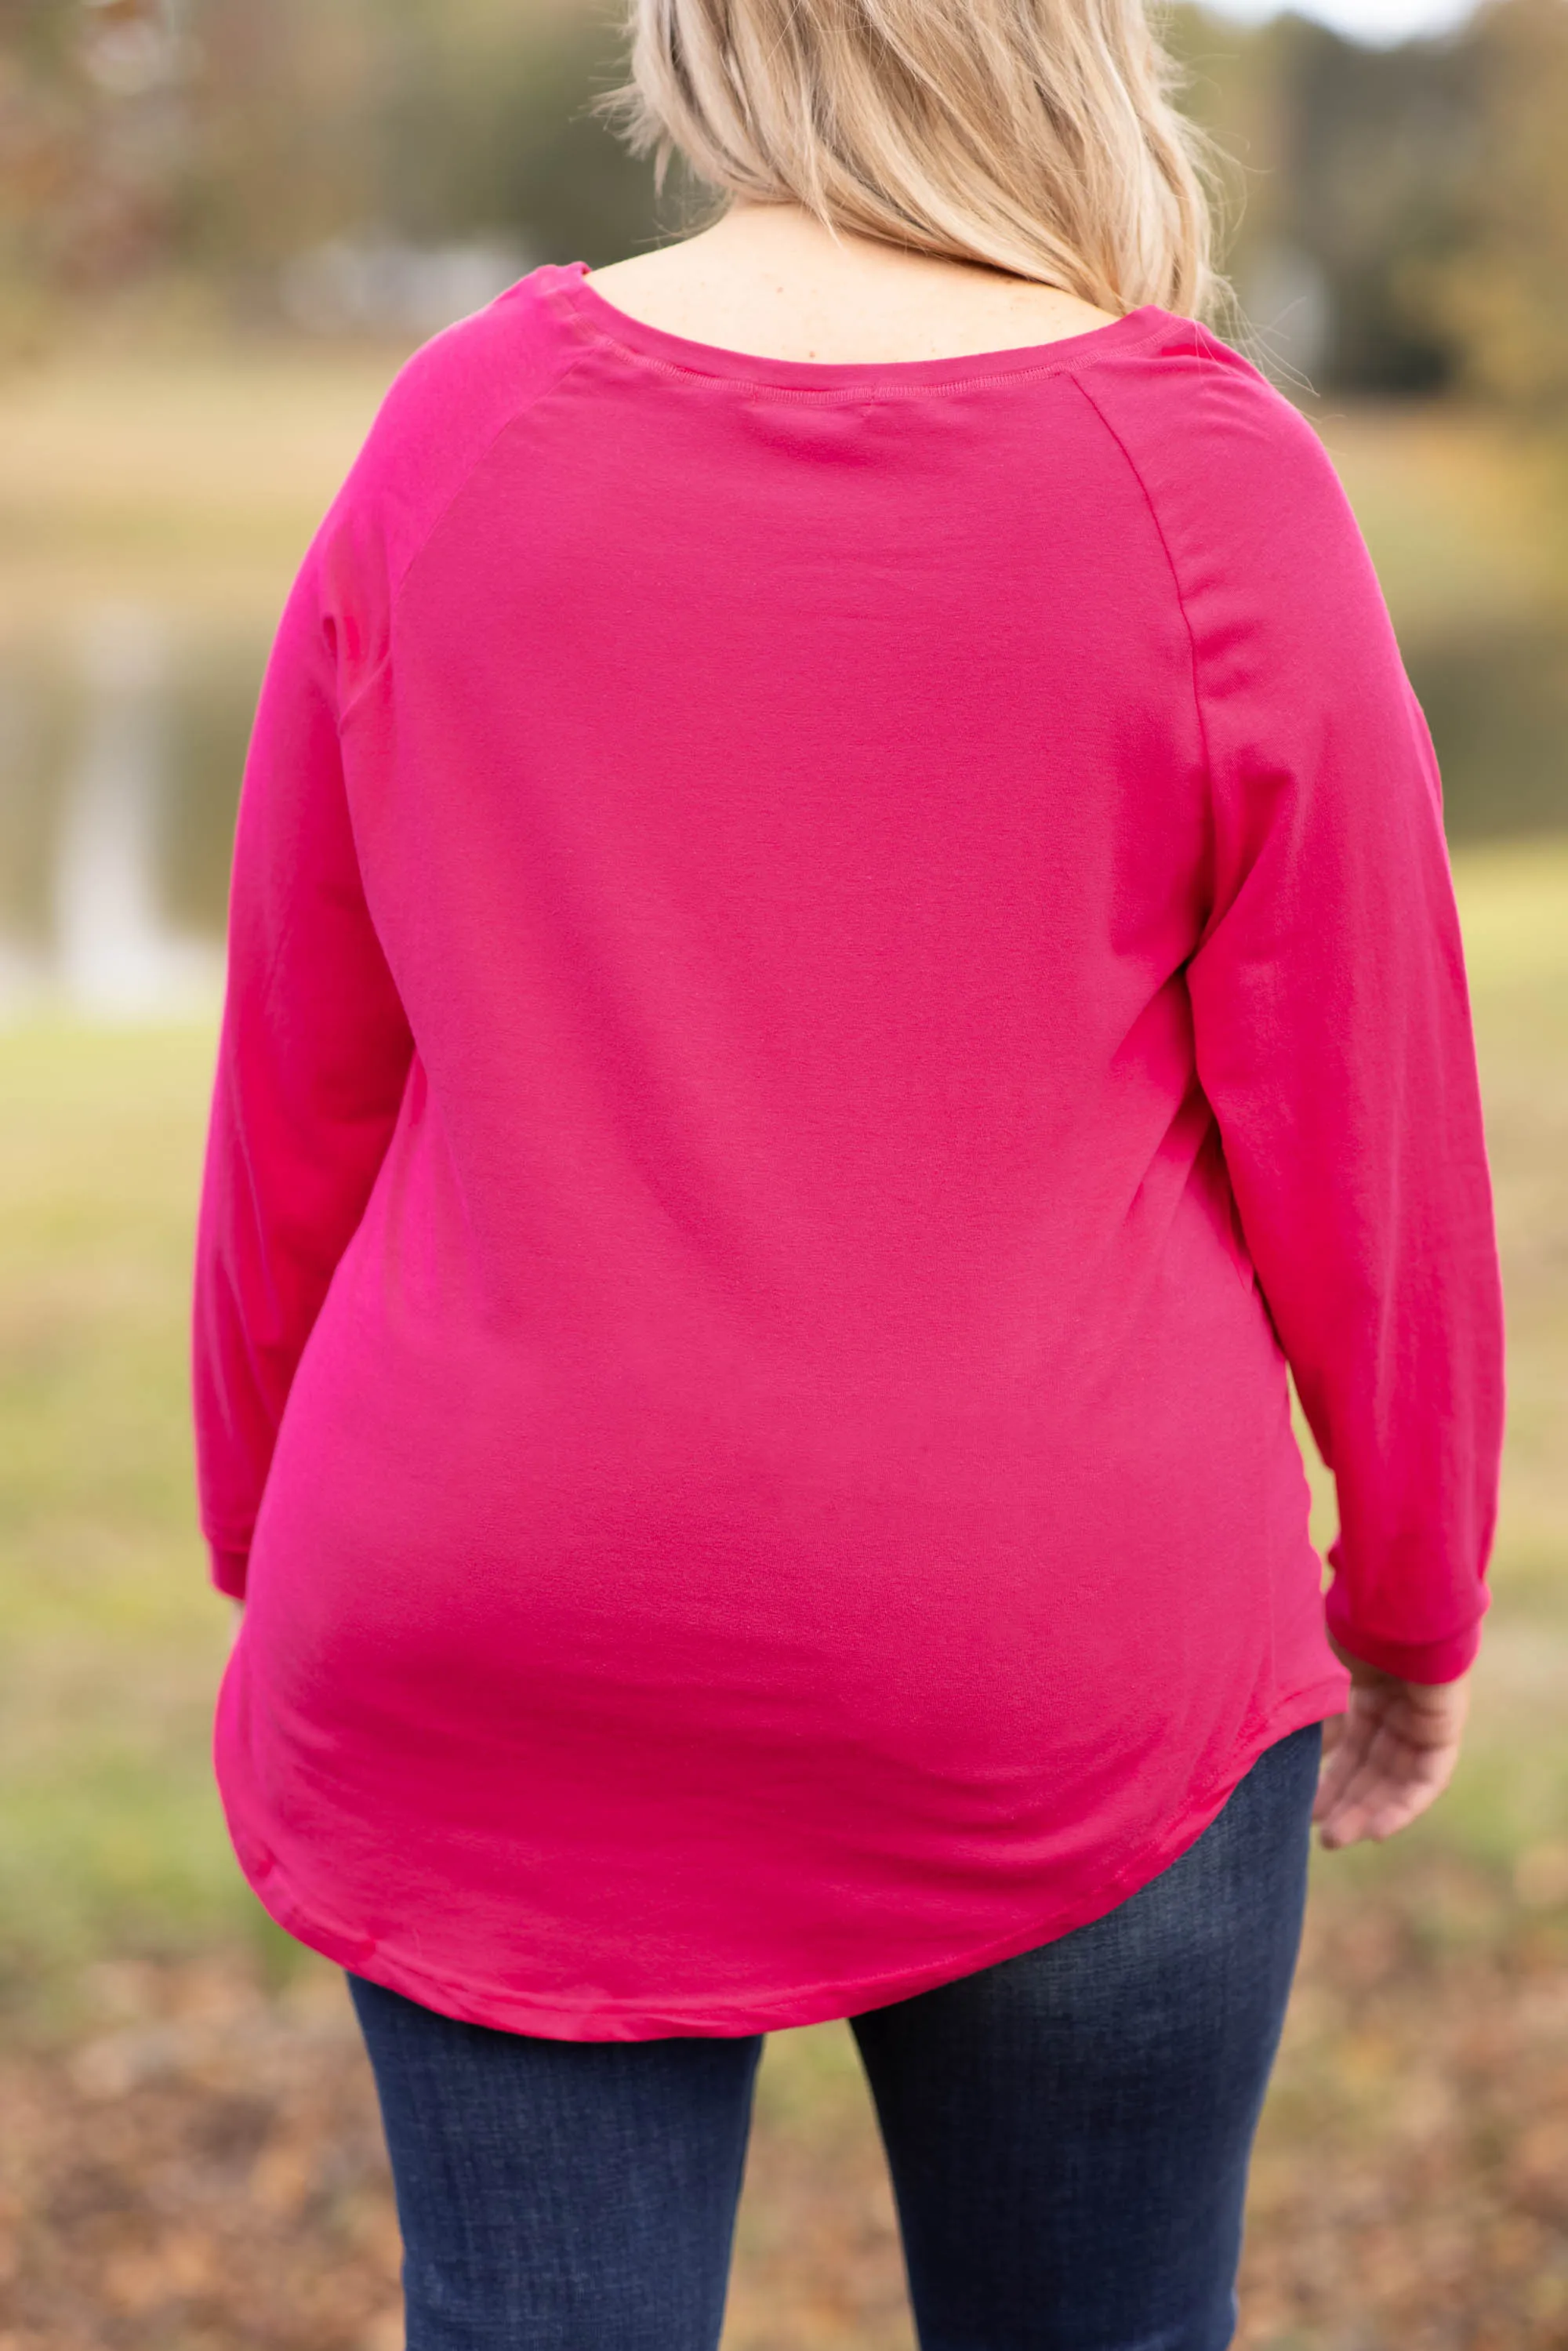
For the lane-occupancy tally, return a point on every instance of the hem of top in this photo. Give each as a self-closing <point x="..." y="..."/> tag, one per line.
<point x="588" y="314"/>
<point x="820" y="2004"/>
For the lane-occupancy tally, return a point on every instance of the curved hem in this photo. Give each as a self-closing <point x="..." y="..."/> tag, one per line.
<point x="509" y="2011"/>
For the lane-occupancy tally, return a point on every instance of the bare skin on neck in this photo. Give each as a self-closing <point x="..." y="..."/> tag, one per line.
<point x="771" y="279"/>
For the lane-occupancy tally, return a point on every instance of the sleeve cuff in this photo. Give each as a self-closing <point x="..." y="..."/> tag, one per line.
<point x="1412" y="1661"/>
<point x="228" y="1570"/>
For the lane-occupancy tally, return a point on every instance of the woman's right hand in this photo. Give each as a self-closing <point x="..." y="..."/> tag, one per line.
<point x="1390" y="1756"/>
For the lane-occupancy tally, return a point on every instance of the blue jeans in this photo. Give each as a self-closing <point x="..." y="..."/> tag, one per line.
<point x="1068" y="2132"/>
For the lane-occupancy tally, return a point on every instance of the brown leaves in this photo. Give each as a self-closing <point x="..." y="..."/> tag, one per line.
<point x="1411" y="2185"/>
<point x="202" y="2172"/>
<point x="200" y="2168"/>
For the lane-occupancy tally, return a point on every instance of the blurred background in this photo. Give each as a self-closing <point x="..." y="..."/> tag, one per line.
<point x="222" y="228"/>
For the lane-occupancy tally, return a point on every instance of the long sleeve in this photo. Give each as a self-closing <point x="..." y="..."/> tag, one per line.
<point x="312" y="1066"/>
<point x="1333" y="1041"/>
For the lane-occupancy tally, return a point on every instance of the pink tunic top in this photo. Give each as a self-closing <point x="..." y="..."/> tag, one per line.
<point x="832" y="968"/>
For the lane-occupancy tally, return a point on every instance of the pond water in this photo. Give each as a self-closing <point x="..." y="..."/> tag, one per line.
<point x="121" y="749"/>
<point x="120" y="753"/>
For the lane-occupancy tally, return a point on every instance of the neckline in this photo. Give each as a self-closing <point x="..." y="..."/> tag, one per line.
<point x="682" y="355"/>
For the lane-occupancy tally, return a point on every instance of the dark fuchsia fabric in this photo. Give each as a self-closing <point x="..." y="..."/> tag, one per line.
<point x="832" y="968"/>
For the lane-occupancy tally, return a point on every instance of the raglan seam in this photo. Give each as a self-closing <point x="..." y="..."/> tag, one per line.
<point x="571" y="361"/>
<point x="1163" y="535"/>
<point x="1204" y="741"/>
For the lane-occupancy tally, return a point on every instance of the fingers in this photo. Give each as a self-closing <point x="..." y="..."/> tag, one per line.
<point x="1379" y="1779"/>
<point x="1371" y="1812"/>
<point x="1390" y="1756"/>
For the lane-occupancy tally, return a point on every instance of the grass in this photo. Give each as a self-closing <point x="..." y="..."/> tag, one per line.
<point x="108" y="1642"/>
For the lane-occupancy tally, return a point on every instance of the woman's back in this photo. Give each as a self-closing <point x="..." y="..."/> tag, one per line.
<point x="824" y="888"/>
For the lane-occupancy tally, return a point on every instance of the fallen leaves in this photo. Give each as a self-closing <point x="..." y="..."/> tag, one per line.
<point x="200" y="2167"/>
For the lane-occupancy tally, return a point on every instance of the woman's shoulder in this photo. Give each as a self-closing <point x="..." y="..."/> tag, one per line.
<point x="448" y="401"/>
<point x="1192" y="408"/>
<point x="1179" y="396"/>
<point x="449" y="404"/>
<point x="1236" y="474"/>
<point x="474" y="373"/>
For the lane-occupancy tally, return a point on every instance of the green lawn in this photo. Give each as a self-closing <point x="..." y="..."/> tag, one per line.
<point x="109" y="1640"/>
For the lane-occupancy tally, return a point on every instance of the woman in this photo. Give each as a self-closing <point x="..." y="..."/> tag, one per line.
<point x="840" y="949"/>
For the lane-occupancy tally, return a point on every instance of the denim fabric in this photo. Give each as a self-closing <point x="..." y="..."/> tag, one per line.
<point x="1068" y="2132"/>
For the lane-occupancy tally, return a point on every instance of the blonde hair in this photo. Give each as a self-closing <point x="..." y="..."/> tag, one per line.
<point x="1036" y="137"/>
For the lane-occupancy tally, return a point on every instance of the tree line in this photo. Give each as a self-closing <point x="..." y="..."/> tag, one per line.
<point x="1409" y="206"/>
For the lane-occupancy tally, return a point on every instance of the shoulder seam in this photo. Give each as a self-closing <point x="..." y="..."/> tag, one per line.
<point x="1137" y="471"/>
<point x="572" y="359"/>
